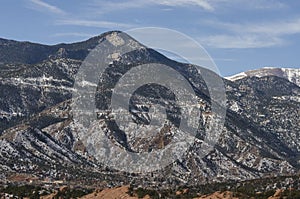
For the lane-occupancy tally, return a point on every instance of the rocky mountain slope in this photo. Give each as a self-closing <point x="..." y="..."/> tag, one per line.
<point x="39" y="137"/>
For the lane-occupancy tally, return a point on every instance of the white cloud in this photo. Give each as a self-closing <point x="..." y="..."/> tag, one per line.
<point x="274" y="28"/>
<point x="93" y="23"/>
<point x="42" y="6"/>
<point x="248" y="5"/>
<point x="251" y="35"/>
<point x="236" y="41"/>
<point x="112" y="6"/>
<point x="201" y="3"/>
<point x="73" y="34"/>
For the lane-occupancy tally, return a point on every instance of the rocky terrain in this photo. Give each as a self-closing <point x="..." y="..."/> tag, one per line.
<point x="39" y="137"/>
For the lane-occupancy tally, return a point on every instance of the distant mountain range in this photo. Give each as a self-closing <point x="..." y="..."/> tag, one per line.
<point x="292" y="74"/>
<point x="38" y="136"/>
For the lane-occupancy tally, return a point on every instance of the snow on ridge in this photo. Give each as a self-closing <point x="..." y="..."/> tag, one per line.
<point x="292" y="74"/>
<point x="237" y="76"/>
<point x="46" y="82"/>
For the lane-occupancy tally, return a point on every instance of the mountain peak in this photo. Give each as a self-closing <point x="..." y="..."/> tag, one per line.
<point x="30" y="53"/>
<point x="37" y="125"/>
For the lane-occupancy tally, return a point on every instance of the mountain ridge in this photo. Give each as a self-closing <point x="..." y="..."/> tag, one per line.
<point x="292" y="74"/>
<point x="258" y="137"/>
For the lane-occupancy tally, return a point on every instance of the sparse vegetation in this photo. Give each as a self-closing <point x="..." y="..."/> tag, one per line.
<point x="22" y="191"/>
<point x="35" y="192"/>
<point x="141" y="193"/>
<point x="288" y="187"/>
<point x="71" y="193"/>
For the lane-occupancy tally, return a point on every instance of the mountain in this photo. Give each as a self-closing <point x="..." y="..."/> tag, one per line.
<point x="292" y="74"/>
<point x="39" y="135"/>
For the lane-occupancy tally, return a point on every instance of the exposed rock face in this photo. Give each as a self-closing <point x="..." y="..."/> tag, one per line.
<point x="39" y="135"/>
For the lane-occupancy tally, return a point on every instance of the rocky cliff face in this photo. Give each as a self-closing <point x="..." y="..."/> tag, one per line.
<point x="39" y="136"/>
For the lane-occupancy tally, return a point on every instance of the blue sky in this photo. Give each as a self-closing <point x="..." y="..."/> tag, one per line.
<point x="238" y="34"/>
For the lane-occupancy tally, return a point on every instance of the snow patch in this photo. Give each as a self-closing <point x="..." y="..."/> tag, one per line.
<point x="237" y="76"/>
<point x="235" y="107"/>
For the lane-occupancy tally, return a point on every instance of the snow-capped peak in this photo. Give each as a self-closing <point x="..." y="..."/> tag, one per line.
<point x="292" y="74"/>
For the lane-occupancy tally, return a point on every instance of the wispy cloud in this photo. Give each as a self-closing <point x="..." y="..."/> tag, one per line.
<point x="93" y="23"/>
<point x="73" y="34"/>
<point x="238" y="41"/>
<point x="251" y="35"/>
<point x="200" y="3"/>
<point x="43" y="6"/>
<point x="248" y="5"/>
<point x="131" y="4"/>
<point x="287" y="27"/>
<point x="265" y="4"/>
<point x="206" y="5"/>
<point x="279" y="27"/>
